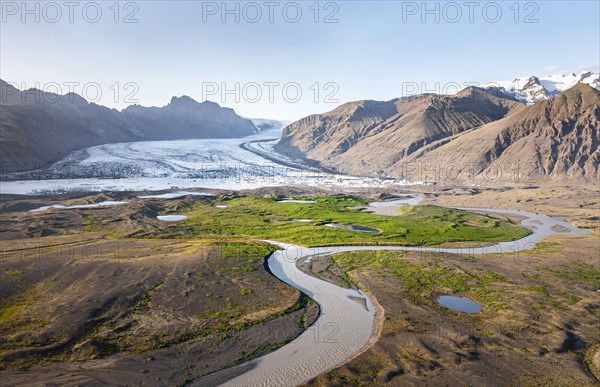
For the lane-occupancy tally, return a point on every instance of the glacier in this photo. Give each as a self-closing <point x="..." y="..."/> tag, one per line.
<point x="240" y="163"/>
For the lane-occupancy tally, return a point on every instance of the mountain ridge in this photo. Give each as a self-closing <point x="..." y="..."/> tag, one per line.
<point x="38" y="128"/>
<point x="554" y="138"/>
<point x="408" y="124"/>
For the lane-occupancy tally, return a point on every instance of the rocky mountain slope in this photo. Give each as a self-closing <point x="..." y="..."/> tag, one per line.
<point x="367" y="137"/>
<point x="37" y="128"/>
<point x="184" y="117"/>
<point x="474" y="133"/>
<point x="556" y="138"/>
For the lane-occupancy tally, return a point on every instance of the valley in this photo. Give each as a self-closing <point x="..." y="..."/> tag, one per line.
<point x="294" y="254"/>
<point x="242" y="312"/>
<point x="316" y="194"/>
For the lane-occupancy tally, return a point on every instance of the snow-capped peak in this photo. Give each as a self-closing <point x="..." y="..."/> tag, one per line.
<point x="533" y="89"/>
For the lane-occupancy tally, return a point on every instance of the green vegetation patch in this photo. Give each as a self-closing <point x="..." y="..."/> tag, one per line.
<point x="580" y="271"/>
<point x="10" y="311"/>
<point x="419" y="280"/>
<point x="422" y="280"/>
<point x="91" y="224"/>
<point x="547" y="247"/>
<point x="245" y="292"/>
<point x="241" y="249"/>
<point x="267" y="218"/>
<point x="14" y="273"/>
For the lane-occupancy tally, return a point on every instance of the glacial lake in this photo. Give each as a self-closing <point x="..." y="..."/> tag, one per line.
<point x="411" y="200"/>
<point x="352" y="227"/>
<point x="171" y="218"/>
<point x="459" y="304"/>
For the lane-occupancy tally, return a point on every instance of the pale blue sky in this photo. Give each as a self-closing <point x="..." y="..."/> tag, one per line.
<point x="372" y="51"/>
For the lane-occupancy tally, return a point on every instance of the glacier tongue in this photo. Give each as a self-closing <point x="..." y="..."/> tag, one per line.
<point x="181" y="164"/>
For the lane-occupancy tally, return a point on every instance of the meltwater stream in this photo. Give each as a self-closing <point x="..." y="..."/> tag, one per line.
<point x="344" y="326"/>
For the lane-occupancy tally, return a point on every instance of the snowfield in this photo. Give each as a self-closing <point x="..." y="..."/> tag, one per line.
<point x="531" y="89"/>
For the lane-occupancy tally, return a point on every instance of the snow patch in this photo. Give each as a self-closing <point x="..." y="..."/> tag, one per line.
<point x="532" y="89"/>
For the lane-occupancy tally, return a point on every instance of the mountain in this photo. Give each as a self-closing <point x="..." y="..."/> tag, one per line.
<point x="367" y="137"/>
<point x="555" y="138"/>
<point x="532" y="89"/>
<point x="474" y="133"/>
<point x="37" y="128"/>
<point x="183" y="117"/>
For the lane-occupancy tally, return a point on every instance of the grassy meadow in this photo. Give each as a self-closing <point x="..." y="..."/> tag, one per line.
<point x="267" y="218"/>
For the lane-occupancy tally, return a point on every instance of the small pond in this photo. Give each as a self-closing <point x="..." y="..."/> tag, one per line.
<point x="171" y="218"/>
<point x="352" y="227"/>
<point x="459" y="304"/>
<point x="296" y="201"/>
<point x="406" y="200"/>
